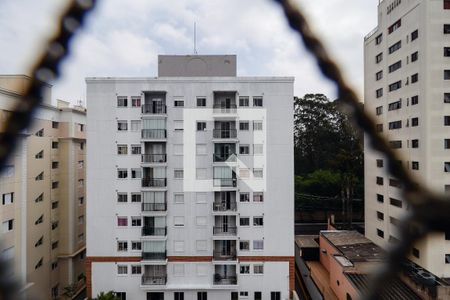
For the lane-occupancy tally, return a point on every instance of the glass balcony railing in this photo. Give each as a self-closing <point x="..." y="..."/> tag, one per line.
<point x="224" y="133"/>
<point x="154" y="134"/>
<point x="154" y="231"/>
<point x="224" y="230"/>
<point x="153" y="158"/>
<point x="224" y="109"/>
<point x="224" y="157"/>
<point x="224" y="255"/>
<point x="225" y="182"/>
<point x="154" y="182"/>
<point x="225" y="206"/>
<point x="154" y="206"/>
<point x="154" y="255"/>
<point x="154" y="279"/>
<point x="154" y="109"/>
<point x="220" y="279"/>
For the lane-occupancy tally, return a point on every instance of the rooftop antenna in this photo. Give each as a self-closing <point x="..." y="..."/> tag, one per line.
<point x="195" y="38"/>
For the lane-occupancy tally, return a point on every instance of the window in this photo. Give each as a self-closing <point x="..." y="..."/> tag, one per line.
<point x="40" y="176"/>
<point x="178" y="103"/>
<point x="244" y="125"/>
<point x="414" y="143"/>
<point x="243" y="101"/>
<point x="136" y="269"/>
<point x="415" y="165"/>
<point x="81" y="146"/>
<point x="446" y="74"/>
<point x="244" y="149"/>
<point x="201" y="102"/>
<point x="244" y="245"/>
<point x="55" y="125"/>
<point x="258" y="245"/>
<point x="135" y="197"/>
<point x="446" y="4"/>
<point x="122" y="149"/>
<point x="379" y="92"/>
<point x="39" y="155"/>
<point x="55" y="145"/>
<point x="136" y="221"/>
<point x="379" y="58"/>
<point x="202" y="296"/>
<point x="447" y="167"/>
<point x="39" y="264"/>
<point x="258" y="101"/>
<point x="178" y="221"/>
<point x="244" y="197"/>
<point x="258" y="173"/>
<point x="243" y="294"/>
<point x="178" y="296"/>
<point x="395" y="47"/>
<point x="396" y="202"/>
<point x="414" y="100"/>
<point x="234" y="296"/>
<point x="54" y="265"/>
<point x="122" y="173"/>
<point x="258" y="149"/>
<point x="394" y="221"/>
<point x="380" y="198"/>
<point x="55" y="165"/>
<point x="178" y="198"/>
<point x="122" y="269"/>
<point x="136" y="245"/>
<point x="122" y="101"/>
<point x="55" y="204"/>
<point x="257" y="125"/>
<point x="414" y="56"/>
<point x="379" y="180"/>
<point x="39" y="242"/>
<point x="122" y="125"/>
<point x="121" y="295"/>
<point x="379" y="39"/>
<point x="122" y="246"/>
<point x="275" y="295"/>
<point x="379" y="163"/>
<point x="136" y="101"/>
<point x="394" y="26"/>
<point x="244" y="221"/>
<point x="258" y="221"/>
<point x="395" y="86"/>
<point x="258" y="197"/>
<point x="414" y="35"/>
<point x="136" y="173"/>
<point x="395" y="125"/>
<point x="446" y="28"/>
<point x="201" y="126"/>
<point x="55" y="184"/>
<point x="446" y="143"/>
<point x="395" y="66"/>
<point x="414" y="78"/>
<point x="414" y="122"/>
<point x="135" y="125"/>
<point x="244" y="269"/>
<point x="122" y="197"/>
<point x="54" y="245"/>
<point x="8" y="225"/>
<point x="258" y="269"/>
<point x="8" y="171"/>
<point x="394" y="183"/>
<point x="135" y="149"/>
<point x="8" y="198"/>
<point x="39" y="133"/>
<point x="380" y="215"/>
<point x="55" y="225"/>
<point x="395" y="105"/>
<point x="378" y="75"/>
<point x="178" y="174"/>
<point x="380" y="233"/>
<point x="80" y="220"/>
<point x="122" y="221"/>
<point x="80" y="127"/>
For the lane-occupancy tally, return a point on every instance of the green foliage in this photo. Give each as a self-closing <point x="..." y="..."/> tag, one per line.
<point x="319" y="182"/>
<point x="107" y="296"/>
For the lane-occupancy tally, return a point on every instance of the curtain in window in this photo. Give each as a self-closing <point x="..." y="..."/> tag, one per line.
<point x="223" y="172"/>
<point x="153" y="124"/>
<point x="154" y="246"/>
<point x="154" y="197"/>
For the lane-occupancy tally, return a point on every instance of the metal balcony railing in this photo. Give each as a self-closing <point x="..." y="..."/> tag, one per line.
<point x="153" y="158"/>
<point x="154" y="231"/>
<point x="224" y="133"/>
<point x="154" y="182"/>
<point x="222" y="157"/>
<point x="225" y="182"/>
<point x="154" y="109"/>
<point x="224" y="109"/>
<point x="224" y="280"/>
<point x="224" y="230"/>
<point x="224" y="255"/>
<point x="225" y="206"/>
<point x="154" y="255"/>
<point x="154" y="279"/>
<point x="155" y="134"/>
<point x="154" y="206"/>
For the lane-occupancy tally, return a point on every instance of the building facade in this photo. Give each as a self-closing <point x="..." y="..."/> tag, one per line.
<point x="42" y="191"/>
<point x="190" y="183"/>
<point x="407" y="89"/>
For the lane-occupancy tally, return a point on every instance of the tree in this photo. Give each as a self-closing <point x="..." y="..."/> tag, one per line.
<point x="107" y="296"/>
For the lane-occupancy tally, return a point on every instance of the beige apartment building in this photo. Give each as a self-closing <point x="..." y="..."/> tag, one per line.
<point x="42" y="192"/>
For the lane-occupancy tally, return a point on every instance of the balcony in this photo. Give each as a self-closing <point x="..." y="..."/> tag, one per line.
<point x="224" y="157"/>
<point x="154" y="134"/>
<point x="224" y="133"/>
<point x="154" y="280"/>
<point x="153" y="158"/>
<point x="224" y="109"/>
<point x="154" y="231"/>
<point x="154" y="206"/>
<point x="224" y="255"/>
<point x="154" y="182"/>
<point x="225" y="206"/>
<point x="225" y="182"/>
<point x="154" y="109"/>
<point x="225" y="280"/>
<point x="225" y="230"/>
<point x="154" y="255"/>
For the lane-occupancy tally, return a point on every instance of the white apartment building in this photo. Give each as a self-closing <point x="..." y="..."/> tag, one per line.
<point x="190" y="183"/>
<point x="407" y="87"/>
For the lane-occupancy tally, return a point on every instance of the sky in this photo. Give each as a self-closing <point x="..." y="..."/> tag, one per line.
<point x="123" y="38"/>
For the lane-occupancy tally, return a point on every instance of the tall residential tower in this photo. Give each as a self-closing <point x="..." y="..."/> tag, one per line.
<point x="190" y="183"/>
